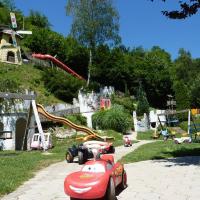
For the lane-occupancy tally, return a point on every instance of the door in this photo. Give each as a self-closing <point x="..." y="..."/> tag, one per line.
<point x="20" y="136"/>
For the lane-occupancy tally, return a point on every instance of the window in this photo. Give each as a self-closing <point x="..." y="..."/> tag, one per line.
<point x="96" y="168"/>
<point x="35" y="137"/>
<point x="109" y="166"/>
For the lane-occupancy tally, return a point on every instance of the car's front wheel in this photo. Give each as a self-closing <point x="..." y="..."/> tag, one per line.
<point x="123" y="184"/>
<point x="71" y="198"/>
<point x="110" y="193"/>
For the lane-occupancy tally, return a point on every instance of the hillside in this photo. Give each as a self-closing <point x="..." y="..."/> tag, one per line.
<point x="24" y="77"/>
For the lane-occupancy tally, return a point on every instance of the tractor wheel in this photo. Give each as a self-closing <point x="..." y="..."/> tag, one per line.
<point x="81" y="159"/>
<point x="165" y="138"/>
<point x="112" y="149"/>
<point x="69" y="158"/>
<point x="110" y="193"/>
<point x="176" y="142"/>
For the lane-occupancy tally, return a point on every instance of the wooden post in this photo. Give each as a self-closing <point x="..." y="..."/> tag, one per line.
<point x="189" y="113"/>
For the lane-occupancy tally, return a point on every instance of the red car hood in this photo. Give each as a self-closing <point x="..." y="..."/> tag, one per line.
<point x="84" y="179"/>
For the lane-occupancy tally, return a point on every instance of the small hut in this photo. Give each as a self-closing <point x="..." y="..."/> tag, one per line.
<point x="9" y="49"/>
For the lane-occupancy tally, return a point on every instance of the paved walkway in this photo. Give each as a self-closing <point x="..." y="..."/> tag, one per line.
<point x="176" y="179"/>
<point x="48" y="183"/>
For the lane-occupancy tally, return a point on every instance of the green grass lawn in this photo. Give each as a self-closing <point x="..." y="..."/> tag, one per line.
<point x="148" y="135"/>
<point x="145" y="135"/>
<point x="162" y="150"/>
<point x="118" y="137"/>
<point x="18" y="166"/>
<point x="28" y="77"/>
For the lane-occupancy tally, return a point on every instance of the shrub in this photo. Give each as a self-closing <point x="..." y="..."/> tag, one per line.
<point x="115" y="118"/>
<point x="127" y="102"/>
<point x="77" y="119"/>
<point x="143" y="105"/>
<point x="64" y="86"/>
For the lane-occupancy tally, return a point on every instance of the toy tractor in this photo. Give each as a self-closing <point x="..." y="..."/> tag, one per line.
<point x="84" y="150"/>
<point x="127" y="141"/>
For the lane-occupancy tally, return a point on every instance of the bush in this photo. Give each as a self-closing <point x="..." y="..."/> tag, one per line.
<point x="143" y="105"/>
<point x="115" y="118"/>
<point x="77" y="119"/>
<point x="127" y="102"/>
<point x="63" y="85"/>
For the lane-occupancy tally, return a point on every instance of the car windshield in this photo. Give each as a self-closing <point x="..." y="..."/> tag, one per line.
<point x="97" y="168"/>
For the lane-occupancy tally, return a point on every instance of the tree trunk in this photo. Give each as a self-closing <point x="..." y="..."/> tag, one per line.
<point x="89" y="66"/>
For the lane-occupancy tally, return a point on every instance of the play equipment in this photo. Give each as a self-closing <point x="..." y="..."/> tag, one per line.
<point x="182" y="140"/>
<point x="90" y="133"/>
<point x="127" y="141"/>
<point x="58" y="63"/>
<point x="97" y="179"/>
<point x="194" y="128"/>
<point x="84" y="150"/>
<point x="36" y="143"/>
<point x="166" y="134"/>
<point x="19" y="139"/>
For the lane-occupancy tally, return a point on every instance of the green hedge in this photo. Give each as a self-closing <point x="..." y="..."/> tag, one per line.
<point x="115" y="118"/>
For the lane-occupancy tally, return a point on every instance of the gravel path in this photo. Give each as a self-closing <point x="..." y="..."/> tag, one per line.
<point x="176" y="179"/>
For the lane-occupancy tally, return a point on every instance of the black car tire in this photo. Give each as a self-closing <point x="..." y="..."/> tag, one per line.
<point x="71" y="198"/>
<point x="123" y="184"/>
<point x="81" y="159"/>
<point x="69" y="158"/>
<point x="110" y="193"/>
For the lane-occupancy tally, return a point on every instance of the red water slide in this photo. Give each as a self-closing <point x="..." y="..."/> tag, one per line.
<point x="58" y="63"/>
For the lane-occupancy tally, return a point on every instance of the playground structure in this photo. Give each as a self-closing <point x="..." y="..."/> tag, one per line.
<point x="194" y="128"/>
<point x="23" y="136"/>
<point x="90" y="133"/>
<point x="36" y="143"/>
<point x="58" y="63"/>
<point x="15" y="122"/>
<point x="164" y="131"/>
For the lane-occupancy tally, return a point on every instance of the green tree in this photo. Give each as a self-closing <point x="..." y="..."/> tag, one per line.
<point x="4" y="15"/>
<point x="94" y="22"/>
<point x="143" y="105"/>
<point x="152" y="69"/>
<point x="183" y="66"/>
<point x="61" y="84"/>
<point x="9" y="4"/>
<point x="68" y="50"/>
<point x="187" y="9"/>
<point x="182" y="75"/>
<point x="182" y="95"/>
<point x="37" y="19"/>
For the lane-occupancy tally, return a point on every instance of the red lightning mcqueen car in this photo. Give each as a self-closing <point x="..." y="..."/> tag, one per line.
<point x="97" y="179"/>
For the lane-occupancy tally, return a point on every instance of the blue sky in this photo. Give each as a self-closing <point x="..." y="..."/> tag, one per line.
<point x="141" y="23"/>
